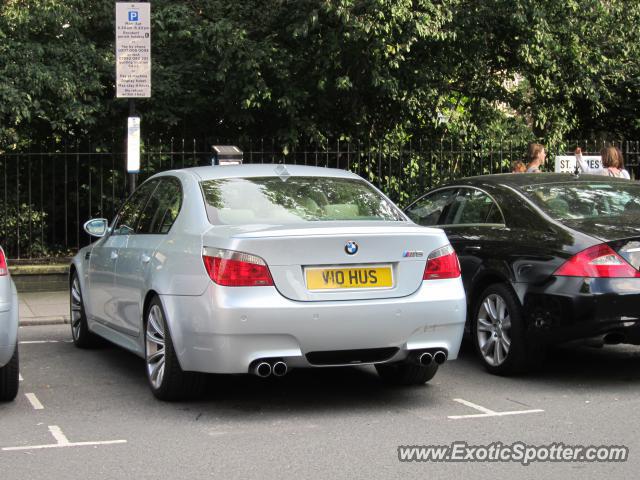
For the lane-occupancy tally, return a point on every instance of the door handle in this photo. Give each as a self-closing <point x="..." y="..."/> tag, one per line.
<point x="473" y="248"/>
<point x="145" y="258"/>
<point x="114" y="255"/>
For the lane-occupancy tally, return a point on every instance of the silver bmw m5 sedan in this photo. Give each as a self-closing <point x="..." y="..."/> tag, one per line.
<point x="264" y="268"/>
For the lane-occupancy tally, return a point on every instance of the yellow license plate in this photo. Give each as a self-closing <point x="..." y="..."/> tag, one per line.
<point x="355" y="277"/>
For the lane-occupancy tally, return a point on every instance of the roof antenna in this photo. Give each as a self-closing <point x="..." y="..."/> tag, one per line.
<point x="282" y="172"/>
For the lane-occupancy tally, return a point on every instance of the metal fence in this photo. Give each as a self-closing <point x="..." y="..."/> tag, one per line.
<point x="48" y="194"/>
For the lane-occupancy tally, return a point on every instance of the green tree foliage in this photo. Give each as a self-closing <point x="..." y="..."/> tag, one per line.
<point x="290" y="68"/>
<point x="567" y="68"/>
<point x="55" y="72"/>
<point x="380" y="69"/>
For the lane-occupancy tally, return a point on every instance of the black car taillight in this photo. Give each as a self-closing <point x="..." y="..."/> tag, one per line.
<point x="599" y="261"/>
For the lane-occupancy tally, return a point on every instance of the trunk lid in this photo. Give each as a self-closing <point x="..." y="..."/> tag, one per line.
<point x="623" y="237"/>
<point x="606" y="228"/>
<point x="321" y="248"/>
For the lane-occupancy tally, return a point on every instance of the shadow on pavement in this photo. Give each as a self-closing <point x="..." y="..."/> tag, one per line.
<point x="356" y="389"/>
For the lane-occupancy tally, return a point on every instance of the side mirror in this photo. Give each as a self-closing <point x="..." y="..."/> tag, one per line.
<point x="96" y="227"/>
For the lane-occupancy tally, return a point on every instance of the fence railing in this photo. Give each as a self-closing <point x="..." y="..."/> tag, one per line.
<point x="48" y="194"/>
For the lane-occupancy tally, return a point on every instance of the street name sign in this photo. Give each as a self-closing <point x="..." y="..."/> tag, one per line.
<point x="567" y="163"/>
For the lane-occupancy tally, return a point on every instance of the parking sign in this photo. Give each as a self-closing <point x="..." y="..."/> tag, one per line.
<point x="133" y="50"/>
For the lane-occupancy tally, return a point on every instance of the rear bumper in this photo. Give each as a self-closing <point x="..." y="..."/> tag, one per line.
<point x="573" y="308"/>
<point x="226" y="329"/>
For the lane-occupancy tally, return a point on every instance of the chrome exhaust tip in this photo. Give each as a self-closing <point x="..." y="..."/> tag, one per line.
<point x="440" y="357"/>
<point x="261" y="369"/>
<point x="425" y="359"/>
<point x="279" y="369"/>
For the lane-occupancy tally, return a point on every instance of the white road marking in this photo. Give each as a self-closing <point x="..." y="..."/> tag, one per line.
<point x="496" y="414"/>
<point x="35" y="403"/>
<point x="20" y="377"/>
<point x="487" y="412"/>
<point x="62" y="441"/>
<point x="39" y="341"/>
<point x="60" y="437"/>
<point x="473" y="405"/>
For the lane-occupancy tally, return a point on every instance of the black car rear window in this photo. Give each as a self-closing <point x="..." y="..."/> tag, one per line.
<point x="578" y="200"/>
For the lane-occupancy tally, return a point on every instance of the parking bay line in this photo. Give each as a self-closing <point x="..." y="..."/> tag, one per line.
<point x="27" y="342"/>
<point x="33" y="400"/>
<point x="487" y="412"/>
<point x="62" y="441"/>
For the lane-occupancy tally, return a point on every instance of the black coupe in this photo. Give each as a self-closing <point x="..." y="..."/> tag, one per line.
<point x="546" y="259"/>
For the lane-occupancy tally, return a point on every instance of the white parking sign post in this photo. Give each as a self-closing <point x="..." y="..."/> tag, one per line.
<point x="133" y="70"/>
<point x="133" y="145"/>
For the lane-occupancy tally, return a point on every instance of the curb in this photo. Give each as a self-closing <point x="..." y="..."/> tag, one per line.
<point x="49" y="269"/>
<point x="34" y="322"/>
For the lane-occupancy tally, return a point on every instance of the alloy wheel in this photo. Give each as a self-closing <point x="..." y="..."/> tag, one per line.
<point x="76" y="308"/>
<point x="494" y="330"/>
<point x="155" y="342"/>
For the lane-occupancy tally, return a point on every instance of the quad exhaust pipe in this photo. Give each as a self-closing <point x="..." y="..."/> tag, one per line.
<point x="279" y="369"/>
<point x="440" y="357"/>
<point x="261" y="369"/>
<point x="266" y="367"/>
<point x="434" y="355"/>
<point x="425" y="359"/>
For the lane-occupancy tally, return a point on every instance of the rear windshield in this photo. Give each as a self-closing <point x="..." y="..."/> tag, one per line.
<point x="272" y="200"/>
<point x="569" y="201"/>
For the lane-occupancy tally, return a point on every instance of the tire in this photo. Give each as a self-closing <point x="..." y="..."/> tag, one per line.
<point x="166" y="378"/>
<point x="498" y="333"/>
<point x="82" y="337"/>
<point x="406" y="373"/>
<point x="9" y="378"/>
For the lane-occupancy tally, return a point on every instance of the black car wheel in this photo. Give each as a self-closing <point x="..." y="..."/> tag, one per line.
<point x="498" y="332"/>
<point x="9" y="378"/>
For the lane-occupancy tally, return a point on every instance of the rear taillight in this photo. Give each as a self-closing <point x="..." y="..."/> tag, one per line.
<point x="3" y="264"/>
<point x="236" y="269"/>
<point x="442" y="263"/>
<point x="599" y="261"/>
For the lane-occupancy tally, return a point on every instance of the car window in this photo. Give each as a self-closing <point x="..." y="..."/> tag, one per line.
<point x="162" y="209"/>
<point x="583" y="200"/>
<point x="429" y="209"/>
<point x="129" y="214"/>
<point x="275" y="200"/>
<point x="473" y="206"/>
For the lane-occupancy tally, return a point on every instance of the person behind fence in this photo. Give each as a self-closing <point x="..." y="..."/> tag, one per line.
<point x="612" y="163"/>
<point x="518" y="167"/>
<point x="536" y="156"/>
<point x="624" y="171"/>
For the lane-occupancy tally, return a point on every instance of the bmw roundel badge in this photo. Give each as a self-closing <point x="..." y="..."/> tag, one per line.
<point x="351" y="247"/>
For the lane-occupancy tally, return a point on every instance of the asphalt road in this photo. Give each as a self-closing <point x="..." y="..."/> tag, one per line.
<point x="322" y="423"/>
